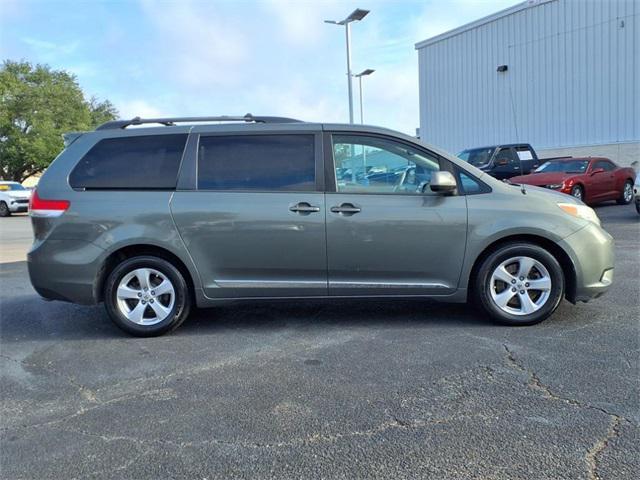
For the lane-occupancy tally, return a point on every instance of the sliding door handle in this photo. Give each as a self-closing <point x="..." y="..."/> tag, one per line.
<point x="304" y="208"/>
<point x="346" y="209"/>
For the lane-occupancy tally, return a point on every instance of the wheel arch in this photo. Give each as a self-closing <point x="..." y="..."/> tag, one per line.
<point x="129" y="251"/>
<point x="563" y="258"/>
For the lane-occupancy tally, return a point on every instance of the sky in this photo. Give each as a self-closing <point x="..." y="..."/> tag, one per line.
<point x="223" y="57"/>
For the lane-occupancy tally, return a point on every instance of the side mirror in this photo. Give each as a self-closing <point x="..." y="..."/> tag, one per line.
<point x="597" y="170"/>
<point x="443" y="182"/>
<point x="502" y="162"/>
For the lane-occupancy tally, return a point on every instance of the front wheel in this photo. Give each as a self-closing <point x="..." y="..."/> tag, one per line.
<point x="627" y="193"/>
<point x="519" y="284"/>
<point x="147" y="296"/>
<point x="4" y="210"/>
<point x="578" y="192"/>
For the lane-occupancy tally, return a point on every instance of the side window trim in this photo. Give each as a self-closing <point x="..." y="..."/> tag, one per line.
<point x="191" y="177"/>
<point x="187" y="175"/>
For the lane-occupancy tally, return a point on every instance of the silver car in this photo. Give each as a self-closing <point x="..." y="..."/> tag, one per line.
<point x="155" y="220"/>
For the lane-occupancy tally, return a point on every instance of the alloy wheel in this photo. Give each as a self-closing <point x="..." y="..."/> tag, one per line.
<point x="520" y="286"/>
<point x="577" y="192"/>
<point x="627" y="192"/>
<point x="145" y="296"/>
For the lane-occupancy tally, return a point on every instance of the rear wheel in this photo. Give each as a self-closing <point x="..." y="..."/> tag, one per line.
<point x="147" y="296"/>
<point x="627" y="193"/>
<point x="519" y="284"/>
<point x="4" y="210"/>
<point x="578" y="192"/>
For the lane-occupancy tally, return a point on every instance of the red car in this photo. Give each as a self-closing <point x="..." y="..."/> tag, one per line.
<point x="590" y="179"/>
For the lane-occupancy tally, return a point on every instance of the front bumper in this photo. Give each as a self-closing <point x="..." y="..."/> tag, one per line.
<point x="592" y="253"/>
<point x="15" y="207"/>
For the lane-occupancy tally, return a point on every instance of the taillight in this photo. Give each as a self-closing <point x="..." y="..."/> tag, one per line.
<point x="39" y="207"/>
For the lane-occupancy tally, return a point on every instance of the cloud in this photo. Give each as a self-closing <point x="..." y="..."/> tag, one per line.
<point x="300" y="23"/>
<point x="51" y="48"/>
<point x="195" y="44"/>
<point x="139" y="108"/>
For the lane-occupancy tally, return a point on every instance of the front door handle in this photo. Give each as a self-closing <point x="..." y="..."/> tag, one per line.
<point x="304" y="208"/>
<point x="346" y="209"/>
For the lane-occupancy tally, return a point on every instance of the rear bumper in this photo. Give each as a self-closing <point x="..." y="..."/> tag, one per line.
<point x="592" y="252"/>
<point x="65" y="270"/>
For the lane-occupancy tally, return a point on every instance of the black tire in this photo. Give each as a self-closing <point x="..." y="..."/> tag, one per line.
<point x="482" y="283"/>
<point x="181" y="305"/>
<point x="621" y="200"/>
<point x="578" y="192"/>
<point x="638" y="207"/>
<point x="4" y="210"/>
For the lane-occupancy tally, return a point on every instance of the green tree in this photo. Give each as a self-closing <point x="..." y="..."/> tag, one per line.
<point x="38" y="105"/>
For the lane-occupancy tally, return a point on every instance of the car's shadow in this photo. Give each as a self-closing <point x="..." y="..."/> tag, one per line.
<point x="29" y="318"/>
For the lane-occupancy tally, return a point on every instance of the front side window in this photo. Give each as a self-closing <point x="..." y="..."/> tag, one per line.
<point x="477" y="156"/>
<point x="257" y="162"/>
<point x="506" y="156"/>
<point x="376" y="165"/>
<point x="131" y="163"/>
<point x="605" y="165"/>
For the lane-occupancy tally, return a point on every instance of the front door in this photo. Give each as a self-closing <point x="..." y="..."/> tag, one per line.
<point x="387" y="232"/>
<point x="255" y="223"/>
<point x="506" y="164"/>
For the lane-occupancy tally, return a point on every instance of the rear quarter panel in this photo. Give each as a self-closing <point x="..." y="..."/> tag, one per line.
<point x="98" y="223"/>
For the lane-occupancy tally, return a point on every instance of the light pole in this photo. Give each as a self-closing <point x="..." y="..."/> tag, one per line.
<point x="359" y="76"/>
<point x="357" y="15"/>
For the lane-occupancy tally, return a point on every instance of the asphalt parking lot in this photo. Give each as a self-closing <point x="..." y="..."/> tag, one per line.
<point x="349" y="389"/>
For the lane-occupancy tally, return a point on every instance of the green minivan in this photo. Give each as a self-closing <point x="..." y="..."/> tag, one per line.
<point x="184" y="212"/>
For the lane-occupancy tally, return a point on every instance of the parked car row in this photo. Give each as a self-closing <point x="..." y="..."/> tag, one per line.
<point x="589" y="179"/>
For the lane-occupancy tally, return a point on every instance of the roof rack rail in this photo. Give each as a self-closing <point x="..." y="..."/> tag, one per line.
<point x="115" y="124"/>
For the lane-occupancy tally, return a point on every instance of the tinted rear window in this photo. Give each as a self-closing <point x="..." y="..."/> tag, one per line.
<point x="257" y="162"/>
<point x="137" y="163"/>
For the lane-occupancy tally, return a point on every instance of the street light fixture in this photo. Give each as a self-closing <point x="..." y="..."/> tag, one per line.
<point x="359" y="76"/>
<point x="355" y="16"/>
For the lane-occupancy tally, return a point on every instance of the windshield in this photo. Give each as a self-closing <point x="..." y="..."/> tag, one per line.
<point x="564" y="166"/>
<point x="477" y="156"/>
<point x="10" y="186"/>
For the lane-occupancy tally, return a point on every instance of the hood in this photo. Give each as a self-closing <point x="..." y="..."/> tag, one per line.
<point x="17" y="194"/>
<point x="542" y="178"/>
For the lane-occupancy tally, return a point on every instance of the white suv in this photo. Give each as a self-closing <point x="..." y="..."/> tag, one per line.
<point x="14" y="198"/>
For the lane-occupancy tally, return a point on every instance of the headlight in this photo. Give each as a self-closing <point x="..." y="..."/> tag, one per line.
<point x="554" y="186"/>
<point x="580" y="211"/>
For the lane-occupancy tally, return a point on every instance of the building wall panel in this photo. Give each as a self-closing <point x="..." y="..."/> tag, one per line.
<point x="573" y="77"/>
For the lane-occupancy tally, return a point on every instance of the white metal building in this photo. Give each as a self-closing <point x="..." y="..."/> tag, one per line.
<point x="569" y="80"/>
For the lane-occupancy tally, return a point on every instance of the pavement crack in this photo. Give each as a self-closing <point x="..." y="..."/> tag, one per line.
<point x="615" y="420"/>
<point x="592" y="454"/>
<point x="85" y="392"/>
